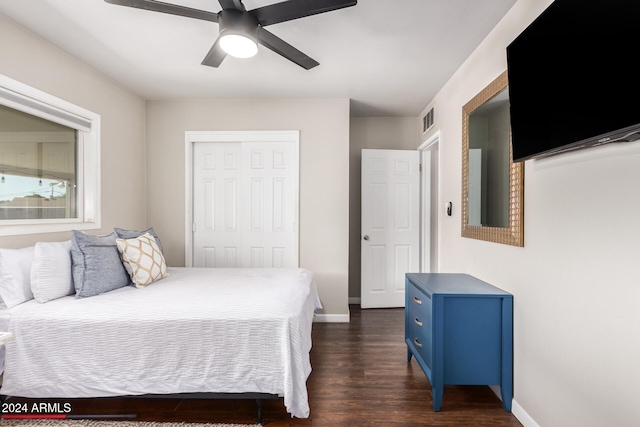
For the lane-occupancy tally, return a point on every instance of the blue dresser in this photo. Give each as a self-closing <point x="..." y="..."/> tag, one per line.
<point x="460" y="330"/>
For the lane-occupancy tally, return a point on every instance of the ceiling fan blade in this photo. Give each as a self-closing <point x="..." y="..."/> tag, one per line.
<point x="172" y="9"/>
<point x="283" y="48"/>
<point x="294" y="9"/>
<point x="232" y="4"/>
<point x="215" y="56"/>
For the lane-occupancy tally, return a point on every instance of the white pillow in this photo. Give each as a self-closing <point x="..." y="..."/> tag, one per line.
<point x="142" y="259"/>
<point x="51" y="271"/>
<point x="15" y="276"/>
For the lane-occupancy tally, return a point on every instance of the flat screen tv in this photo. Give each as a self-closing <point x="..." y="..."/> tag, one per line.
<point x="574" y="78"/>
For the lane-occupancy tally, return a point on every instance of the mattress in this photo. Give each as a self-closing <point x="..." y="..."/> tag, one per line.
<point x="197" y="330"/>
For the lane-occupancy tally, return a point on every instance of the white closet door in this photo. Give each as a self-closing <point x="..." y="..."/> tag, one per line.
<point x="245" y="204"/>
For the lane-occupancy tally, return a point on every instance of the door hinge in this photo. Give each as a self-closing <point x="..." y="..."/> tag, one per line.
<point x="420" y="169"/>
<point x="193" y="227"/>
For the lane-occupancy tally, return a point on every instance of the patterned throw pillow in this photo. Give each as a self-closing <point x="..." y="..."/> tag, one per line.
<point x="142" y="259"/>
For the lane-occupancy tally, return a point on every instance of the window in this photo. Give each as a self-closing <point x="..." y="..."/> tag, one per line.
<point x="37" y="167"/>
<point x="49" y="162"/>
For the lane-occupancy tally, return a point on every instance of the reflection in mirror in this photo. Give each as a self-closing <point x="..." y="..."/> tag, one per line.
<point x="489" y="162"/>
<point x="492" y="184"/>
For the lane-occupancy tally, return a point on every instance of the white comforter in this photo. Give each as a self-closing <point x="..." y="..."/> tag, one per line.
<point x="198" y="330"/>
<point x="4" y="327"/>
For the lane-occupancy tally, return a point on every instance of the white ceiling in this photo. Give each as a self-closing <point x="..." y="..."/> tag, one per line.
<point x="390" y="57"/>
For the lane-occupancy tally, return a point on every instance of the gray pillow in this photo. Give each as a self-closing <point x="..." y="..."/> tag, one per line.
<point x="96" y="265"/>
<point x="132" y="234"/>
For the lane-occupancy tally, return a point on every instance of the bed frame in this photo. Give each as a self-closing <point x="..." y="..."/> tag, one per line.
<point x="259" y="397"/>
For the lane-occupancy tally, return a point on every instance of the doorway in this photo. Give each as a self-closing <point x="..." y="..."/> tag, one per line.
<point x="430" y="203"/>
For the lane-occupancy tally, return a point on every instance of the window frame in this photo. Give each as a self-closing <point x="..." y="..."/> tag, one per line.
<point x="25" y="98"/>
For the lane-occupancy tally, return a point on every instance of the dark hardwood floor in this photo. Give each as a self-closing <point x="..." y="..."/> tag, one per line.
<point x="360" y="378"/>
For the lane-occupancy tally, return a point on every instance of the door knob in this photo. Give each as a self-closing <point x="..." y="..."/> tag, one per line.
<point x="366" y="237"/>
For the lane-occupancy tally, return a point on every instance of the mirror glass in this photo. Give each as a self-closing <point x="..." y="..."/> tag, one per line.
<point x="492" y="183"/>
<point x="489" y="162"/>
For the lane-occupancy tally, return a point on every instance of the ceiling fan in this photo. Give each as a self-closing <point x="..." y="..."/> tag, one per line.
<point x="241" y="30"/>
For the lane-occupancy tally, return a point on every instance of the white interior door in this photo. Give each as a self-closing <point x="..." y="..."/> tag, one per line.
<point x="245" y="204"/>
<point x="390" y="241"/>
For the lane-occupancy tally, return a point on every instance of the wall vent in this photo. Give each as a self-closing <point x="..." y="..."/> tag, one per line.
<point x="428" y="120"/>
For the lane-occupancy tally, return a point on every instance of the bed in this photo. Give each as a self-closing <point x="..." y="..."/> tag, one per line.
<point x="198" y="330"/>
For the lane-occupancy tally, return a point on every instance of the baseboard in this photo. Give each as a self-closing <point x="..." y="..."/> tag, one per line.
<point x="517" y="410"/>
<point x="332" y="318"/>
<point x="525" y="419"/>
<point x="354" y="300"/>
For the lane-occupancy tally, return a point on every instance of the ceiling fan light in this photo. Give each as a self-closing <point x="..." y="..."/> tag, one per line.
<point x="238" y="45"/>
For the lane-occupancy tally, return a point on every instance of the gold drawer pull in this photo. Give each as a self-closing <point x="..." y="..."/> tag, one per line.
<point x="415" y="341"/>
<point x="415" y="299"/>
<point x="419" y="323"/>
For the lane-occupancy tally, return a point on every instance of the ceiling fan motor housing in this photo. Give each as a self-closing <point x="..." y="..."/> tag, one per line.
<point x="232" y="21"/>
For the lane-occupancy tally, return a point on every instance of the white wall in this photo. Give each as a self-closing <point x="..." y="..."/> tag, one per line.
<point x="575" y="283"/>
<point x="32" y="60"/>
<point x="393" y="133"/>
<point x="324" y="176"/>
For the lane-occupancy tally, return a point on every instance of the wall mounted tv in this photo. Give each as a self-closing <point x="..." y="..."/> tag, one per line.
<point x="573" y="78"/>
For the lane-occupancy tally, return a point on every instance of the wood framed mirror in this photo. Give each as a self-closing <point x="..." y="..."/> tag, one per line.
<point x="492" y="184"/>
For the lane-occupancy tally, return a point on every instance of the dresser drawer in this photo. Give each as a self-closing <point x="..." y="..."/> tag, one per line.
<point x="421" y="344"/>
<point x="419" y="323"/>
